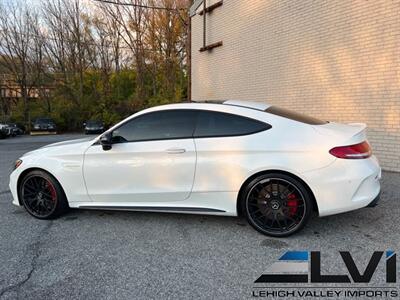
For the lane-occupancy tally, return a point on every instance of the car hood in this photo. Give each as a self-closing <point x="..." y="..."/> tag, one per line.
<point x="78" y="146"/>
<point x="71" y="142"/>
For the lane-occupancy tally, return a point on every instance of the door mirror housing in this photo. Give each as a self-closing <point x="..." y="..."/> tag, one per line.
<point x="106" y="141"/>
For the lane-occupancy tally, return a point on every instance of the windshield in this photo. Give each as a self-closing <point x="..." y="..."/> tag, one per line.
<point x="94" y="123"/>
<point x="44" y="121"/>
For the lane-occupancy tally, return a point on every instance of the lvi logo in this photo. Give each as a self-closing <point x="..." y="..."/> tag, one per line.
<point x="305" y="267"/>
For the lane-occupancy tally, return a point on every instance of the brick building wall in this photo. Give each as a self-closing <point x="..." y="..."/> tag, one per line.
<point x="337" y="60"/>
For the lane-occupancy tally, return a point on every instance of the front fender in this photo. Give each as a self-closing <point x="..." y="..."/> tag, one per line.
<point x="65" y="164"/>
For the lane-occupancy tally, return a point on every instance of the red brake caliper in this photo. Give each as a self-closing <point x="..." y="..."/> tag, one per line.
<point x="52" y="191"/>
<point x="292" y="203"/>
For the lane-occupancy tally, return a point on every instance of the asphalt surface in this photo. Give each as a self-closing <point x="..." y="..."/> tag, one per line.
<point x="135" y="255"/>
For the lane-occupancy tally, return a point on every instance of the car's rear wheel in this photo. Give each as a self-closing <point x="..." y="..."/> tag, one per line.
<point x="277" y="204"/>
<point x="42" y="195"/>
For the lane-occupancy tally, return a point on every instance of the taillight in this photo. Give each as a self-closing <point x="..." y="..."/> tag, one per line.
<point x="357" y="151"/>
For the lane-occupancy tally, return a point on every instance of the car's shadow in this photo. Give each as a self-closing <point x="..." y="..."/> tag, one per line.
<point x="367" y="222"/>
<point x="364" y="226"/>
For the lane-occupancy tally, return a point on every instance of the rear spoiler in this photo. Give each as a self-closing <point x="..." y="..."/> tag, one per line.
<point x="359" y="125"/>
<point x="348" y="134"/>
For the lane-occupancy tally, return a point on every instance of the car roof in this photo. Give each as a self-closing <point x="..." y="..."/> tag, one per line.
<point x="261" y="106"/>
<point x="222" y="105"/>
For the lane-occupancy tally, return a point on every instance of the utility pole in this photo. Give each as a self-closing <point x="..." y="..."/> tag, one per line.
<point x="189" y="58"/>
<point x="204" y="24"/>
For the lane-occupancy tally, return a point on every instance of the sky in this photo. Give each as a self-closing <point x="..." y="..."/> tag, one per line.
<point x="34" y="2"/>
<point x="31" y="2"/>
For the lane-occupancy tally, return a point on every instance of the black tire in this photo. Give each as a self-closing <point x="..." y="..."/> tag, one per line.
<point x="276" y="204"/>
<point x="42" y="195"/>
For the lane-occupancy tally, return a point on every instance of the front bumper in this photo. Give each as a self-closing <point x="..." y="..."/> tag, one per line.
<point x="345" y="185"/>
<point x="13" y="186"/>
<point x="94" y="131"/>
<point x="44" y="129"/>
<point x="375" y="201"/>
<point x="43" y="132"/>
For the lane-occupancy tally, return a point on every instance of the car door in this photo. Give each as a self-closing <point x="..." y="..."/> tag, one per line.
<point x="227" y="149"/>
<point x="152" y="159"/>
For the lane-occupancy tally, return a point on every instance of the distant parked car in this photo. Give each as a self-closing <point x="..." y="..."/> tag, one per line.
<point x="15" y="129"/>
<point x="44" y="125"/>
<point x="5" y="130"/>
<point x="93" y="126"/>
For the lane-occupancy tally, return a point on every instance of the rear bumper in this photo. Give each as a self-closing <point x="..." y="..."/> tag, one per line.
<point x="345" y="185"/>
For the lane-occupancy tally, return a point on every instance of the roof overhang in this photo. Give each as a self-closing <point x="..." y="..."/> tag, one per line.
<point x="194" y="7"/>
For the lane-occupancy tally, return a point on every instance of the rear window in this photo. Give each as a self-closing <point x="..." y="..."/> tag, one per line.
<point x="289" y="114"/>
<point x="218" y="124"/>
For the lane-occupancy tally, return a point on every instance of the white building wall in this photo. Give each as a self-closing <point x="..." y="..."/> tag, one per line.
<point x="337" y="60"/>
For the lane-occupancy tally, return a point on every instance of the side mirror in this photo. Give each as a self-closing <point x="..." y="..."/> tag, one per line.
<point x="84" y="124"/>
<point x="106" y="141"/>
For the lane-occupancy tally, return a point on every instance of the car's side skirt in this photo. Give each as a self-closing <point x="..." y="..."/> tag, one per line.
<point x="205" y="203"/>
<point x="156" y="209"/>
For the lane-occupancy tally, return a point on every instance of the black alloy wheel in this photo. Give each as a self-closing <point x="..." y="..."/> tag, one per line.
<point x="42" y="196"/>
<point x="277" y="205"/>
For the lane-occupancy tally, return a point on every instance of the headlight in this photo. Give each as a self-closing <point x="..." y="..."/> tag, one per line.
<point x="18" y="162"/>
<point x="36" y="126"/>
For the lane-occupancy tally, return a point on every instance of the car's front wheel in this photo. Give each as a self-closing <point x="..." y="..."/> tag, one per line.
<point x="42" y="195"/>
<point x="276" y="204"/>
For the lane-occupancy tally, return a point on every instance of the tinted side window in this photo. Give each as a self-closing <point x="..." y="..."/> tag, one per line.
<point x="160" y="125"/>
<point x="214" y="124"/>
<point x="292" y="115"/>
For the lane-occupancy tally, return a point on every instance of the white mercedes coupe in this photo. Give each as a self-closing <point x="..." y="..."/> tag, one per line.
<point x="269" y="164"/>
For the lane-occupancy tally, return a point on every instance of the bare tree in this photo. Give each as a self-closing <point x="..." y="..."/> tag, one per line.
<point x="132" y="30"/>
<point x="68" y="44"/>
<point x="71" y="52"/>
<point x="167" y="37"/>
<point x="21" y="49"/>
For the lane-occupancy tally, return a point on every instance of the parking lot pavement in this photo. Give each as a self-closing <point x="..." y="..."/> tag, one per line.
<point x="126" y="255"/>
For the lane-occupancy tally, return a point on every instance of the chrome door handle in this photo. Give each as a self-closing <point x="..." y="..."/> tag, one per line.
<point x="175" y="151"/>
